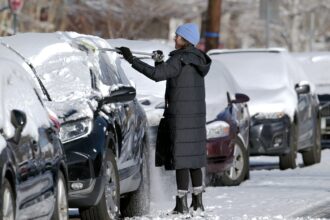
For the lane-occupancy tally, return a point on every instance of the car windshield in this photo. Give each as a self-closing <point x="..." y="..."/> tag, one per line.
<point x="66" y="78"/>
<point x="217" y="83"/>
<point x="255" y="71"/>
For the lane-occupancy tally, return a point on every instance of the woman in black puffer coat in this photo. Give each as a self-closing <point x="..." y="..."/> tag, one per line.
<point x="185" y="110"/>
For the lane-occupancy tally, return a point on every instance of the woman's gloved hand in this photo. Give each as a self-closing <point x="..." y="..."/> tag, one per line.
<point x="126" y="52"/>
<point x="157" y="56"/>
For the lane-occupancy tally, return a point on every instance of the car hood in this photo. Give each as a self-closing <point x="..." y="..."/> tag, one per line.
<point x="73" y="110"/>
<point x="272" y="100"/>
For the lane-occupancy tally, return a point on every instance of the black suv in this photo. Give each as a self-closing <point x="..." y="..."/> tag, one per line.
<point x="103" y="127"/>
<point x="33" y="173"/>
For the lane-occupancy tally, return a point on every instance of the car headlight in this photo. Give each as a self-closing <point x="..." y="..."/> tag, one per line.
<point x="73" y="130"/>
<point x="217" y="129"/>
<point x="270" y="115"/>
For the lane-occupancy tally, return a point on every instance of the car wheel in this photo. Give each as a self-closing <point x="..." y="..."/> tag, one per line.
<point x="239" y="169"/>
<point x="289" y="160"/>
<point x="314" y="155"/>
<point x="61" y="202"/>
<point x="108" y="206"/>
<point x="7" y="201"/>
<point x="137" y="203"/>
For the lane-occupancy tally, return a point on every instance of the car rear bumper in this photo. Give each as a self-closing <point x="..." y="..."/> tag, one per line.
<point x="269" y="136"/>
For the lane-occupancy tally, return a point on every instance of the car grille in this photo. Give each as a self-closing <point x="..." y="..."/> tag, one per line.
<point x="325" y="109"/>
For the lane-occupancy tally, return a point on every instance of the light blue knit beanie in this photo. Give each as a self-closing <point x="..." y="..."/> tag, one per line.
<point x="189" y="32"/>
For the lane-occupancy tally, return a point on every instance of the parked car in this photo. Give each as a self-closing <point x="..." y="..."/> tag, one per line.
<point x="227" y="114"/>
<point x="103" y="127"/>
<point x="283" y="105"/>
<point x="33" y="172"/>
<point x="317" y="65"/>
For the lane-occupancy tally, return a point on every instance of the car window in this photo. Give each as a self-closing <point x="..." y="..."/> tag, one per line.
<point x="109" y="75"/>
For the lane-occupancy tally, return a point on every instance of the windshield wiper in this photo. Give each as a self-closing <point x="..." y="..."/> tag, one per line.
<point x="43" y="88"/>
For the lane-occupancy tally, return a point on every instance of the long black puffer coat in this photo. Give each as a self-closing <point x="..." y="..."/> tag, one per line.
<point x="185" y="104"/>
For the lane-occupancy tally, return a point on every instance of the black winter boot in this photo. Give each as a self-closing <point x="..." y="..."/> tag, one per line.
<point x="181" y="206"/>
<point x="197" y="201"/>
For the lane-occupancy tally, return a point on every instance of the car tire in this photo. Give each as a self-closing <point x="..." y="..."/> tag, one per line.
<point x="109" y="204"/>
<point x="313" y="156"/>
<point x="137" y="203"/>
<point x="238" y="172"/>
<point x="288" y="161"/>
<point x="61" y="202"/>
<point x="7" y="202"/>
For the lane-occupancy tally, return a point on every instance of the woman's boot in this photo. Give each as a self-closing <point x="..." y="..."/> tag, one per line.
<point x="181" y="205"/>
<point x="197" y="201"/>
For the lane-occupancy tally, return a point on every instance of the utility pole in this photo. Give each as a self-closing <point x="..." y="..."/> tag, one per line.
<point x="212" y="33"/>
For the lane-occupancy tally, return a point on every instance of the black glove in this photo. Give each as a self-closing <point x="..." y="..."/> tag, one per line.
<point x="157" y="56"/>
<point x="126" y="52"/>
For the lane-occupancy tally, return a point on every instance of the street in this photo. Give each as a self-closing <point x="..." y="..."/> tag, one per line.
<point x="269" y="193"/>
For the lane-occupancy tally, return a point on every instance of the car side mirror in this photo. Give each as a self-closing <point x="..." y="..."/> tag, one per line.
<point x="18" y="120"/>
<point x="241" y="98"/>
<point x="302" y="89"/>
<point x="120" y="94"/>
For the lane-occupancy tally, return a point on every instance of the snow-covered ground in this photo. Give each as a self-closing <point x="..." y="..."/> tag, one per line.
<point x="269" y="193"/>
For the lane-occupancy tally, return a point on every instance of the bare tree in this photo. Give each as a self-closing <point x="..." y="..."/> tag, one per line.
<point x="301" y="24"/>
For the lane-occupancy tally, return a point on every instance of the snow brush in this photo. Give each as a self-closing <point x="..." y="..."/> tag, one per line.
<point x="88" y="47"/>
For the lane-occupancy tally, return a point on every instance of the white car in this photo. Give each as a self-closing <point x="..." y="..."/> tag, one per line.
<point x="283" y="104"/>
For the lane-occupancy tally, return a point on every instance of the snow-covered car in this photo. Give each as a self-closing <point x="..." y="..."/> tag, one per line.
<point x="317" y="66"/>
<point x="103" y="127"/>
<point x="33" y="176"/>
<point x="283" y="105"/>
<point x="227" y="116"/>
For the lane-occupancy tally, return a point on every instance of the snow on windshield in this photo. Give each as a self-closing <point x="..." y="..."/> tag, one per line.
<point x="264" y="77"/>
<point x="17" y="93"/>
<point x="62" y="68"/>
<point x="217" y="83"/>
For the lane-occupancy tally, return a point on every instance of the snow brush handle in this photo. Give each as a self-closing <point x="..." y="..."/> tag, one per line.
<point x="135" y="52"/>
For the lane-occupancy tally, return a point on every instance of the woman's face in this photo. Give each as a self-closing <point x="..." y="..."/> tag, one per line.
<point x="179" y="42"/>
